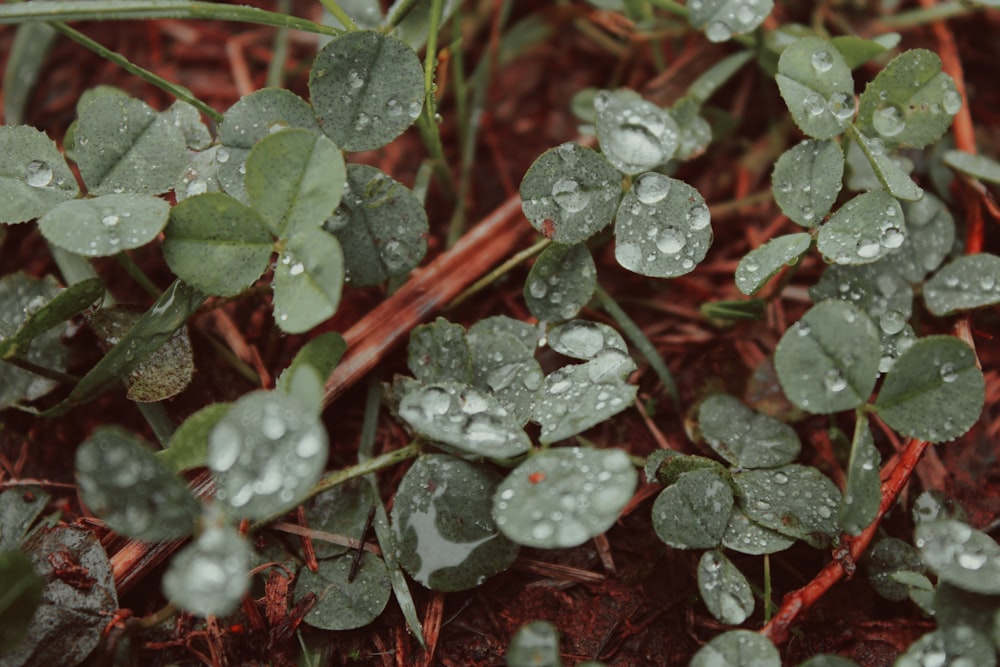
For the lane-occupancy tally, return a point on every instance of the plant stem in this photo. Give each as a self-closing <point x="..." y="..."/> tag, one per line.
<point x="158" y="419"/>
<point x="130" y="10"/>
<point x="639" y="339"/>
<point x="339" y="14"/>
<point x="178" y="91"/>
<point x="923" y="16"/>
<point x="499" y="271"/>
<point x="361" y="469"/>
<point x="401" y="12"/>
<point x="137" y="274"/>
<point x="279" y="52"/>
<point x="24" y="364"/>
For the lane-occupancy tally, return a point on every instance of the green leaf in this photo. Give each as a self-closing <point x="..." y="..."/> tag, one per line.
<point x="863" y="230"/>
<point x="121" y="144"/>
<point x="951" y="646"/>
<point x="342" y="510"/>
<point x="888" y="557"/>
<point x="933" y="504"/>
<point x="561" y="282"/>
<point x="911" y="102"/>
<point x="970" y="281"/>
<point x="758" y="265"/>
<point x="415" y="25"/>
<point x="444" y="529"/>
<point x="561" y="498"/>
<point x="21" y="296"/>
<point x="857" y="51"/>
<point x="724" y="589"/>
<point x="252" y="118"/>
<point x="863" y="489"/>
<point x="316" y="359"/>
<point x="692" y="513"/>
<point x="749" y="537"/>
<point x="737" y="648"/>
<point x="308" y="280"/>
<point x="875" y="288"/>
<point x="535" y="644"/>
<point x="294" y="179"/>
<point x="439" y="352"/>
<point x="582" y="339"/>
<point x="828" y="660"/>
<point x="25" y="62"/>
<point x="793" y="500"/>
<point x="745" y="438"/>
<point x="570" y="193"/>
<point x="265" y="455"/>
<point x="209" y="576"/>
<point x="122" y="482"/>
<point x="662" y="227"/>
<point x="168" y="314"/>
<point x="22" y="591"/>
<point x="635" y="135"/>
<point x="577" y="397"/>
<point x="105" y="225"/>
<point x="896" y="181"/>
<point x="34" y="177"/>
<point x="164" y="372"/>
<point x="526" y="333"/>
<point x="342" y="602"/>
<point x="828" y="360"/>
<point x="187" y="117"/>
<point x="224" y="257"/>
<point x="367" y="88"/>
<point x="807" y="179"/>
<point x="201" y="175"/>
<point x="503" y="366"/>
<point x="816" y="83"/>
<point x="381" y="226"/>
<point x="67" y="624"/>
<point x="188" y="446"/>
<point x="18" y="511"/>
<point x="463" y="420"/>
<point x="954" y="607"/>
<point x="930" y="235"/>
<point x="695" y="133"/>
<point x="935" y="392"/>
<point x="41" y="315"/>
<point x="721" y="19"/>
<point x="977" y="166"/>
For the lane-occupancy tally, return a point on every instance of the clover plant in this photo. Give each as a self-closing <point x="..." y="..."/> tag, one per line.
<point x="499" y="409"/>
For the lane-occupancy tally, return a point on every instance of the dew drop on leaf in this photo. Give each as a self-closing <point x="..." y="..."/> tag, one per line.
<point x="670" y="241"/>
<point x="892" y="322"/>
<point x="717" y="31"/>
<point x="569" y="195"/>
<point x="952" y="102"/>
<point x="948" y="372"/>
<point x="651" y="188"/>
<point x="37" y="174"/>
<point x="888" y="121"/>
<point x="698" y="217"/>
<point x="822" y="61"/>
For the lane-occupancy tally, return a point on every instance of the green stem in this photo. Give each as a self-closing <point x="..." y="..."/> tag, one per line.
<point x="279" y="53"/>
<point x="131" y="10"/>
<point x="674" y="8"/>
<point x="137" y="274"/>
<point x="339" y="14"/>
<point x="178" y="91"/>
<point x="499" y="271"/>
<point x="401" y="12"/>
<point x="42" y="371"/>
<point x="769" y="606"/>
<point x="644" y="345"/>
<point x="363" y="468"/>
<point x="158" y="419"/>
<point x="923" y="16"/>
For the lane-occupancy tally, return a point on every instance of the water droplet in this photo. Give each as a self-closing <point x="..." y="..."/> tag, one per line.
<point x="296" y="269"/>
<point x="582" y="340"/>
<point x="670" y="240"/>
<point x="698" y="217"/>
<point x="717" y="31"/>
<point x="435" y="401"/>
<point x="834" y="380"/>
<point x="842" y="105"/>
<point x="222" y="156"/>
<point x="814" y="105"/>
<point x="37" y="174"/>
<point x="609" y="364"/>
<point x="355" y="80"/>
<point x="651" y="188"/>
<point x="750" y="265"/>
<point x="952" y="101"/>
<point x="892" y="237"/>
<point x="869" y="249"/>
<point x="569" y="195"/>
<point x="948" y="372"/>
<point x="971" y="561"/>
<point x="473" y="403"/>
<point x="745" y="15"/>
<point x="803" y="328"/>
<point x="888" y="121"/>
<point x="560" y="387"/>
<point x="110" y="220"/>
<point x="780" y="478"/>
<point x="822" y="61"/>
<point x="196" y="187"/>
<point x="892" y="322"/>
